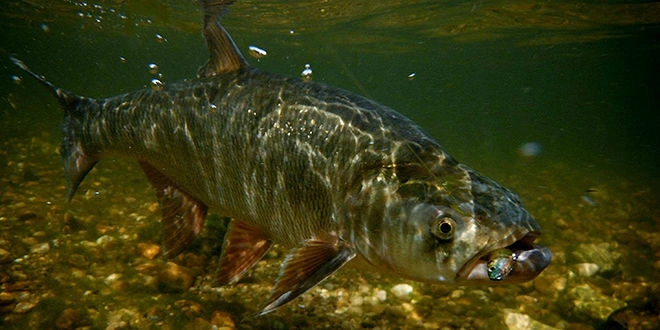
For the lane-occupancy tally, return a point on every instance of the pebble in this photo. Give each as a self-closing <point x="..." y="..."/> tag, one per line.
<point x="605" y="255"/>
<point x="122" y="319"/>
<point x="519" y="321"/>
<point x="23" y="307"/>
<point x="356" y="300"/>
<point x="188" y="308"/>
<point x="78" y="261"/>
<point x="27" y="216"/>
<point x="381" y="295"/>
<point x="175" y="278"/>
<point x="105" y="241"/>
<point x="115" y="281"/>
<point x="68" y="319"/>
<point x="154" y="207"/>
<point x="222" y="320"/>
<point x="402" y="291"/>
<point x="587" y="269"/>
<point x="40" y="248"/>
<point x="6" y="298"/>
<point x="550" y="284"/>
<point x="148" y="250"/>
<point x="457" y="294"/>
<point x="587" y="304"/>
<point x="5" y="256"/>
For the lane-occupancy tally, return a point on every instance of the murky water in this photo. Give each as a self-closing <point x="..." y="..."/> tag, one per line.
<point x="576" y="80"/>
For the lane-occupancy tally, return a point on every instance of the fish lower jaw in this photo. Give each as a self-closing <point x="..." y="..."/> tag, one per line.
<point x="529" y="260"/>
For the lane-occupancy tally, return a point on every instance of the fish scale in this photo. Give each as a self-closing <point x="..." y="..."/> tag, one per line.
<point x="328" y="174"/>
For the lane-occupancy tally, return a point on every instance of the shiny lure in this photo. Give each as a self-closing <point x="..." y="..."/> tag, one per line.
<point x="331" y="175"/>
<point x="500" y="264"/>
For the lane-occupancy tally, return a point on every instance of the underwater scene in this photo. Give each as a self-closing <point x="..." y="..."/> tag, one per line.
<point x="555" y="100"/>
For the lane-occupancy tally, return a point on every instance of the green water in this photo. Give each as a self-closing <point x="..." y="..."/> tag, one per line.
<point x="580" y="79"/>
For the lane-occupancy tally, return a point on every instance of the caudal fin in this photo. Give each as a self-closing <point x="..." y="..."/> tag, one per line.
<point x="77" y="162"/>
<point x="63" y="96"/>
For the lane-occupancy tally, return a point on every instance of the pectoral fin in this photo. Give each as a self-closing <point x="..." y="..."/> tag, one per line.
<point x="183" y="215"/>
<point x="304" y="268"/>
<point x="244" y="245"/>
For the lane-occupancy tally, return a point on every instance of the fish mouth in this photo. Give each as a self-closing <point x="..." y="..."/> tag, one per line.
<point x="529" y="261"/>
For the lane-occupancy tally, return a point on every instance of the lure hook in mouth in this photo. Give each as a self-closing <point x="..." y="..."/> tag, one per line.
<point x="519" y="262"/>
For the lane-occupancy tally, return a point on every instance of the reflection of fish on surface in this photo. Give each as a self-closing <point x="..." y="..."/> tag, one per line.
<point x="327" y="173"/>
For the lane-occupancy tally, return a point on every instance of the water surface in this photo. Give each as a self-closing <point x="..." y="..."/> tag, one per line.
<point x="577" y="79"/>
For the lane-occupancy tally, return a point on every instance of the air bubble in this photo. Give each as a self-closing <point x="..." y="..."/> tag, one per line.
<point x="257" y="52"/>
<point x="160" y="38"/>
<point x="156" y="84"/>
<point x="530" y="149"/>
<point x="306" y="73"/>
<point x="153" y="68"/>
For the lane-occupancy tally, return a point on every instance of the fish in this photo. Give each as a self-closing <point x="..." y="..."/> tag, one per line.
<point x="329" y="175"/>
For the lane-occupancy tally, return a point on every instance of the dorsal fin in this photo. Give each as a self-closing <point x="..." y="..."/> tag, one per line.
<point x="224" y="55"/>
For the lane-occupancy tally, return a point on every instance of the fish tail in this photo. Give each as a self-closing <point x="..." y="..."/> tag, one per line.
<point x="76" y="161"/>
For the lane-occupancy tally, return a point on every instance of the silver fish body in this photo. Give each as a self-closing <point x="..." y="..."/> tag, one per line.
<point x="325" y="172"/>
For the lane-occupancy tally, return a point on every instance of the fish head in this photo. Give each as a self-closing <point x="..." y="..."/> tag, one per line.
<point x="443" y="225"/>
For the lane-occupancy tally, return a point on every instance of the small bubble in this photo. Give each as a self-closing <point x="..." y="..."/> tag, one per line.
<point x="160" y="38"/>
<point x="291" y="32"/>
<point x="153" y="68"/>
<point x="256" y="52"/>
<point x="17" y="80"/>
<point x="156" y="84"/>
<point x="530" y="149"/>
<point x="306" y="73"/>
<point x="412" y="76"/>
<point x="44" y="27"/>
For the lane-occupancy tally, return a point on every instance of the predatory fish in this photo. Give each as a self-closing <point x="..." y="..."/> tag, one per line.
<point x="326" y="173"/>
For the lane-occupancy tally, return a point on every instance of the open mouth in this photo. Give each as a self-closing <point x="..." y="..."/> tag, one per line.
<point x="519" y="262"/>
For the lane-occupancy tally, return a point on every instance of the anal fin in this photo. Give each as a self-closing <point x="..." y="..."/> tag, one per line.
<point x="76" y="166"/>
<point x="183" y="215"/>
<point x="244" y="246"/>
<point x="304" y="268"/>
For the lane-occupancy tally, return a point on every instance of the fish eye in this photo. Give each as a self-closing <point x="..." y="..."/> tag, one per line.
<point x="443" y="228"/>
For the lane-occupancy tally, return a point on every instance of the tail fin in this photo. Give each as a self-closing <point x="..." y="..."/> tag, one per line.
<point x="63" y="96"/>
<point x="77" y="163"/>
